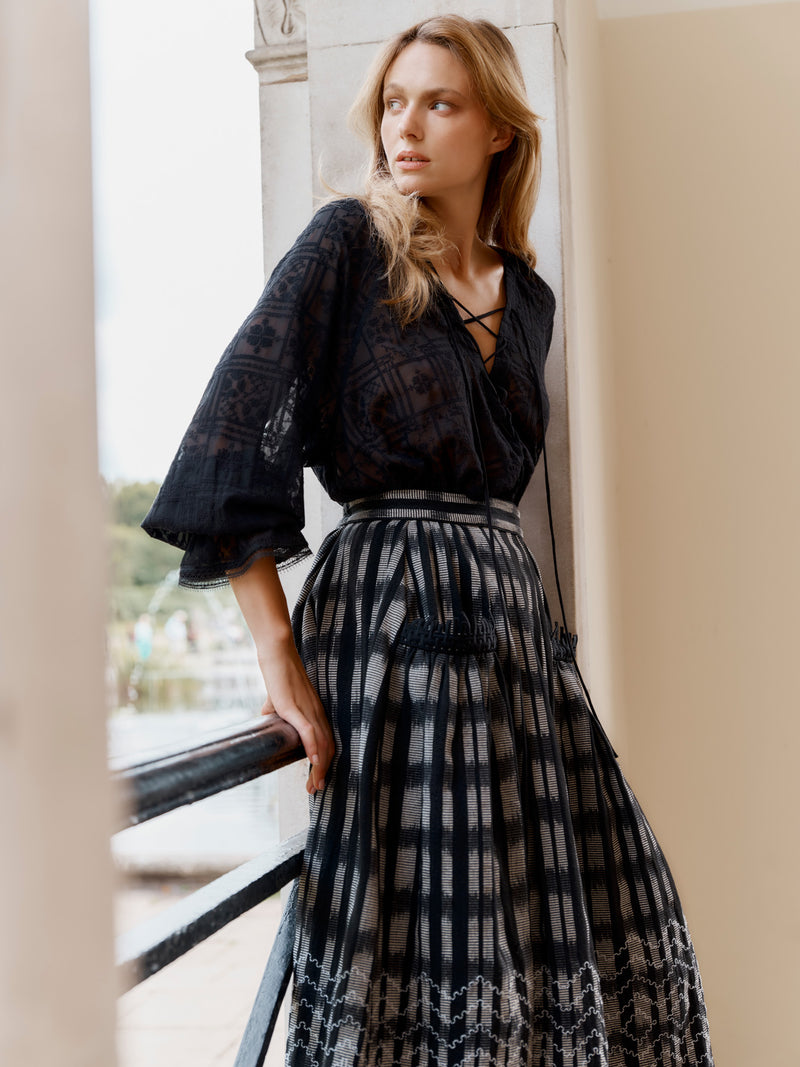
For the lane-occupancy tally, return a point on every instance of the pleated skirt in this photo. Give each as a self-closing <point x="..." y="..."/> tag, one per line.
<point x="480" y="885"/>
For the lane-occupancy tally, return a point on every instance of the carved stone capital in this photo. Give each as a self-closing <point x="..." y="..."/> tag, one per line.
<point x="280" y="53"/>
<point x="280" y="21"/>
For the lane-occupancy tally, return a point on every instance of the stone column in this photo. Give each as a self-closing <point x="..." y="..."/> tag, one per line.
<point x="280" y="58"/>
<point x="57" y="990"/>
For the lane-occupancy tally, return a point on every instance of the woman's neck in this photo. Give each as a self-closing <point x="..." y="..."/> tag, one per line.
<point x="459" y="217"/>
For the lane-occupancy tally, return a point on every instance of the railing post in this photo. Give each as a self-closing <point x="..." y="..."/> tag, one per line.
<point x="271" y="992"/>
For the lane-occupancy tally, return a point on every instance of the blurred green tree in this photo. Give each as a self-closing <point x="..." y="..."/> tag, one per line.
<point x="130" y="501"/>
<point x="134" y="558"/>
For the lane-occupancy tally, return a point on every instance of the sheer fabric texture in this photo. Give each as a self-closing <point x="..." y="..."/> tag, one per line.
<point x="320" y="375"/>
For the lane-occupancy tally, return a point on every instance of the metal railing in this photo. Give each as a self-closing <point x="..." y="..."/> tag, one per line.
<point x="156" y="786"/>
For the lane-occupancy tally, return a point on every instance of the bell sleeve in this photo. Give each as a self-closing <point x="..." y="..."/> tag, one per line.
<point x="234" y="491"/>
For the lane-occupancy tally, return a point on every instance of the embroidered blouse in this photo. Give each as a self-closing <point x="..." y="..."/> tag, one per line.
<point x="321" y="375"/>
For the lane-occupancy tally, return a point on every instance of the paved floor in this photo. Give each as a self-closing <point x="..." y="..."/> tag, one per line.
<point x="193" y="1013"/>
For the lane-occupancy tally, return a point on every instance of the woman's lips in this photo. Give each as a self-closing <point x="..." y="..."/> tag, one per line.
<point x="406" y="163"/>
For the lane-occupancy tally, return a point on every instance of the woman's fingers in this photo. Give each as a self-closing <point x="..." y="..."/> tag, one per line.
<point x="315" y="736"/>
<point x="291" y="693"/>
<point x="320" y="747"/>
<point x="293" y="697"/>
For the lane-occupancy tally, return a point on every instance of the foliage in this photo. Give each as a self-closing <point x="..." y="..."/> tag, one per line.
<point x="129" y="502"/>
<point x="128" y="602"/>
<point x="139" y="567"/>
<point x="136" y="559"/>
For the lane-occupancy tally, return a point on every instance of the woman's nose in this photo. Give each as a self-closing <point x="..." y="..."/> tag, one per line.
<point x="409" y="124"/>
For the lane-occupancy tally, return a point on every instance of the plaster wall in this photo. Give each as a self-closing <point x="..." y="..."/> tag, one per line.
<point x="588" y="342"/>
<point x="56" y="972"/>
<point x="700" y="253"/>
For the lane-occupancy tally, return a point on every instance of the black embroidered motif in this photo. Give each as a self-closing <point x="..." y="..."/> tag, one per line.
<point x="320" y="375"/>
<point x="259" y="336"/>
<point x="454" y="637"/>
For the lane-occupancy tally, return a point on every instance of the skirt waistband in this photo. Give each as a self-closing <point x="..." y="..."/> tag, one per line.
<point x="434" y="506"/>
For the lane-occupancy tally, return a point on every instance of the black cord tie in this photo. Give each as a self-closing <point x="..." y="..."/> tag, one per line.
<point x="479" y="320"/>
<point x="567" y="641"/>
<point x="477" y="435"/>
<point x="487" y="500"/>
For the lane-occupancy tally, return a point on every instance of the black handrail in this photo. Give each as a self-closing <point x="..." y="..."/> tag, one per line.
<point x="151" y="945"/>
<point x="165" y="782"/>
<point x="161" y="784"/>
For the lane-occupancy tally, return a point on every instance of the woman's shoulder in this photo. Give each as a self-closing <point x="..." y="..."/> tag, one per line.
<point x="335" y="239"/>
<point x="340" y="221"/>
<point x="532" y="287"/>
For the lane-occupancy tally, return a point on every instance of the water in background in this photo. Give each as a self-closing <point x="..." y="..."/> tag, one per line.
<point x="184" y="669"/>
<point x="212" y="835"/>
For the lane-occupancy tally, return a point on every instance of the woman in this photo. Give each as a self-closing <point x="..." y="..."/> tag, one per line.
<point x="479" y="885"/>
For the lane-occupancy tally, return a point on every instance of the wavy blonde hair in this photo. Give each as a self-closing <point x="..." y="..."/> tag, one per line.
<point x="410" y="233"/>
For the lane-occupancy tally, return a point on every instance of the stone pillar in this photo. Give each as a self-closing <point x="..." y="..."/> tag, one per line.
<point x="280" y="58"/>
<point x="57" y="990"/>
<point x="342" y="40"/>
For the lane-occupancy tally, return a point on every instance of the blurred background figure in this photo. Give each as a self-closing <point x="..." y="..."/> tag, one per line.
<point x="143" y="637"/>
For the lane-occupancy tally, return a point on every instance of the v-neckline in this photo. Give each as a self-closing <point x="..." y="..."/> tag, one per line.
<point x="500" y="335"/>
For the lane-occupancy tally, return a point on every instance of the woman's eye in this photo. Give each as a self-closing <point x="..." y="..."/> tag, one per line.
<point x="441" y="105"/>
<point x="392" y="105"/>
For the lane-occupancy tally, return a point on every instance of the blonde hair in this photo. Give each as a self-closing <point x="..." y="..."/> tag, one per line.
<point x="410" y="232"/>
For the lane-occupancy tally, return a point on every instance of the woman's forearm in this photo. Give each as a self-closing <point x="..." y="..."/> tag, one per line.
<point x="290" y="693"/>
<point x="263" y="603"/>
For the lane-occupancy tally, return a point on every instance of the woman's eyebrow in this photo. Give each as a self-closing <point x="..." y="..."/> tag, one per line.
<point x="393" y="87"/>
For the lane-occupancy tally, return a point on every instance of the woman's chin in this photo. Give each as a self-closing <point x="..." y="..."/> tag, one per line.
<point x="408" y="184"/>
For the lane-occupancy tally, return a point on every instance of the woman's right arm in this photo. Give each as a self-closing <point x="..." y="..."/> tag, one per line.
<point x="290" y="693"/>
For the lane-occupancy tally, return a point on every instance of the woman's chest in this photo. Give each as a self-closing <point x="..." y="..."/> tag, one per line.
<point x="432" y="376"/>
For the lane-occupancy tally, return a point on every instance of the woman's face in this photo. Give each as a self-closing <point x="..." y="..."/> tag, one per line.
<point x="436" y="134"/>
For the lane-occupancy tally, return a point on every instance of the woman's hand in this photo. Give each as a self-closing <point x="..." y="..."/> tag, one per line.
<point x="290" y="692"/>
<point x="291" y="696"/>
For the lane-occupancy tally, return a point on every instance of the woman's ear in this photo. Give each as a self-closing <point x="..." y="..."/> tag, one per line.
<point x="503" y="136"/>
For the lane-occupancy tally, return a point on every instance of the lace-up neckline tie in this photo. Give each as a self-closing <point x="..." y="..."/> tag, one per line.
<point x="479" y="319"/>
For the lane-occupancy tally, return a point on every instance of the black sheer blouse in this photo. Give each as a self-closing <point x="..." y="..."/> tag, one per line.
<point x="321" y="375"/>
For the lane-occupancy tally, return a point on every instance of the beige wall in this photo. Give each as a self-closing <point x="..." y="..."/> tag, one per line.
<point x="680" y="288"/>
<point x="587" y="324"/>
<point x="56" y="978"/>
<point x="702" y="157"/>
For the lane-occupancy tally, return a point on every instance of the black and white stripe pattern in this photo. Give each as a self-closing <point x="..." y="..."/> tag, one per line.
<point x="480" y="885"/>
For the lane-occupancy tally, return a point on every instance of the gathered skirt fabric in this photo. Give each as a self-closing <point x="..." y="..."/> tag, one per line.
<point x="480" y="885"/>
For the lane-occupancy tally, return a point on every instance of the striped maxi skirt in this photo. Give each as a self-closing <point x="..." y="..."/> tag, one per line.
<point x="480" y="885"/>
